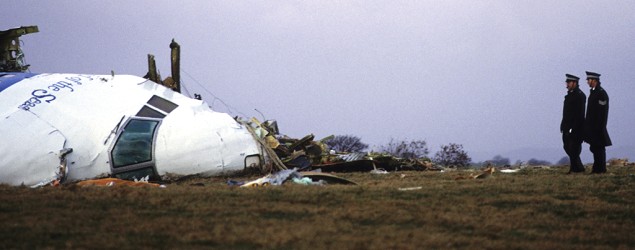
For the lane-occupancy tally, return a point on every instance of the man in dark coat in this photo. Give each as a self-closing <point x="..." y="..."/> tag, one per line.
<point x="597" y="114"/>
<point x="572" y="125"/>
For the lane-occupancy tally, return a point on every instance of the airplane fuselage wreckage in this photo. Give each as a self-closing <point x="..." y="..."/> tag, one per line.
<point x="67" y="127"/>
<point x="62" y="128"/>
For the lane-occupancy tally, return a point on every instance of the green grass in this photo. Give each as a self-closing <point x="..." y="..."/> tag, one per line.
<point x="535" y="208"/>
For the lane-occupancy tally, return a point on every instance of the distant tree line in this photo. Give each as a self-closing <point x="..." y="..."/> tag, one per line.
<point x="451" y="155"/>
<point x="500" y="161"/>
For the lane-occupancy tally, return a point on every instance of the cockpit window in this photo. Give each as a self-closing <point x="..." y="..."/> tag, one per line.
<point x="157" y="107"/>
<point x="149" y="112"/>
<point x="134" y="145"/>
<point x="162" y="104"/>
<point x="131" y="157"/>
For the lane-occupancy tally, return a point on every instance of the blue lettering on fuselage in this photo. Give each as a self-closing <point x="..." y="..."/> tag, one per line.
<point x="39" y="96"/>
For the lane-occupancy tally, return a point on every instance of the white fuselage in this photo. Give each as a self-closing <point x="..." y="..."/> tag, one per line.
<point x="123" y="126"/>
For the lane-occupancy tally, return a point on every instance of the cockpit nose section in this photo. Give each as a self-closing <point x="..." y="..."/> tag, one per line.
<point x="191" y="139"/>
<point x="132" y="156"/>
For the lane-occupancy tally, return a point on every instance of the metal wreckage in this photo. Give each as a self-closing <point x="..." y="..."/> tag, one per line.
<point x="163" y="139"/>
<point x="313" y="158"/>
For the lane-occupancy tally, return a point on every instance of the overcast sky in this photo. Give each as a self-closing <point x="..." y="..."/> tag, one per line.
<point x="485" y="74"/>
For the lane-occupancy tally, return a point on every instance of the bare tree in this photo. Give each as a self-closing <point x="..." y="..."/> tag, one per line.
<point x="346" y="143"/>
<point x="452" y="155"/>
<point x="536" y="162"/>
<point x="499" y="161"/>
<point x="404" y="149"/>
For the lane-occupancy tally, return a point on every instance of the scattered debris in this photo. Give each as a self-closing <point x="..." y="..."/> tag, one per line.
<point x="378" y="171"/>
<point x="328" y="178"/>
<point x="486" y="173"/>
<point x="305" y="178"/>
<point x="617" y="162"/>
<point x="307" y="153"/>
<point x="274" y="179"/>
<point x="306" y="181"/>
<point x="108" y="182"/>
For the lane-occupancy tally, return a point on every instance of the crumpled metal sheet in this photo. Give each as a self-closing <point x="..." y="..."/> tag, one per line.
<point x="353" y="156"/>
<point x="274" y="179"/>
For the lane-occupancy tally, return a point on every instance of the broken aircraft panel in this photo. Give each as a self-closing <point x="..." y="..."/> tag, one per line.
<point x="11" y="56"/>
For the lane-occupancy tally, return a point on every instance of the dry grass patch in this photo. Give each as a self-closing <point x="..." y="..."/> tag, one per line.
<point x="534" y="208"/>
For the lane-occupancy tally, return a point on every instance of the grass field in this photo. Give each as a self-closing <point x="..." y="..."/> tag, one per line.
<point x="537" y="208"/>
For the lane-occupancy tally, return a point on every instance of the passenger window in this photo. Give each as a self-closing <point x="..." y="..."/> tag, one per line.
<point x="135" y="143"/>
